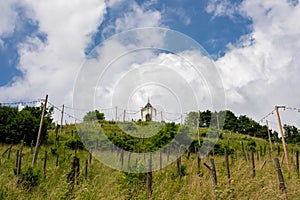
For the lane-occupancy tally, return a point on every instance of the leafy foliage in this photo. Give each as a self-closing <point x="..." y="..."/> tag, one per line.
<point x="24" y="125"/>
<point x="291" y="134"/>
<point x="93" y="115"/>
<point x="30" y="178"/>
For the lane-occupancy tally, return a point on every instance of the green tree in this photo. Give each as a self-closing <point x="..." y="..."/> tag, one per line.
<point x="17" y="126"/>
<point x="93" y="115"/>
<point x="291" y="134"/>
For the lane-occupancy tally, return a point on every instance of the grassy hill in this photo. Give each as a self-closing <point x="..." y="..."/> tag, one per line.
<point x="102" y="182"/>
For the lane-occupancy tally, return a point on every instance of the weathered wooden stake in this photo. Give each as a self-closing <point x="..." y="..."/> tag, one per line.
<point x="56" y="162"/>
<point x="280" y="176"/>
<point x="297" y="162"/>
<point x="227" y="166"/>
<point x="77" y="170"/>
<point x="91" y="157"/>
<point x="122" y="158"/>
<point x="86" y="168"/>
<point x="45" y="164"/>
<point x="17" y="158"/>
<point x="213" y="173"/>
<point x="246" y="154"/>
<point x="178" y="163"/>
<point x="160" y="160"/>
<point x="253" y="163"/>
<point x="270" y="155"/>
<point x="9" y="150"/>
<point x="19" y="162"/>
<point x="262" y="166"/>
<point x="36" y="150"/>
<point x="128" y="161"/>
<point x="149" y="179"/>
<point x="198" y="160"/>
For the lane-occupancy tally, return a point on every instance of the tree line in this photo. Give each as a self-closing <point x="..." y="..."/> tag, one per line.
<point x="241" y="124"/>
<point x="17" y="126"/>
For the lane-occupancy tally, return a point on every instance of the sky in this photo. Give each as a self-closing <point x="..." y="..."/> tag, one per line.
<point x="254" y="46"/>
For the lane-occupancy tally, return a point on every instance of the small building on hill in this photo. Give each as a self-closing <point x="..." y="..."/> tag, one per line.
<point x="148" y="113"/>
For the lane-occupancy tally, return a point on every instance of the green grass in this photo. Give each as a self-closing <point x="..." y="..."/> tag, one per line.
<point x="103" y="182"/>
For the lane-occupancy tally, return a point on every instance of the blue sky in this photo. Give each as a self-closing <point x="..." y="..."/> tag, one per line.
<point x="254" y="45"/>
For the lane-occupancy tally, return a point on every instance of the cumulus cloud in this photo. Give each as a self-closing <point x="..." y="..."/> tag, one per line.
<point x="8" y="17"/>
<point x="50" y="66"/>
<point x="262" y="69"/>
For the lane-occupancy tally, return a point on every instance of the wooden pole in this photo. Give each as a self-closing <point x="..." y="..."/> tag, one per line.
<point x="116" y="114"/>
<point x="227" y="166"/>
<point x="297" y="162"/>
<point x="282" y="137"/>
<point x="86" y="168"/>
<point x="45" y="164"/>
<point x="62" y="117"/>
<point x="269" y="134"/>
<point x="280" y="176"/>
<point x="213" y="172"/>
<point x="36" y="150"/>
<point x="253" y="163"/>
<point x="149" y="179"/>
<point x="56" y="163"/>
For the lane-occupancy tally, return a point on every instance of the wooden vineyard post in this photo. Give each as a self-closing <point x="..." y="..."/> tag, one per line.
<point x="45" y="164"/>
<point x="253" y="163"/>
<point x="36" y="150"/>
<point x="227" y="166"/>
<point x="286" y="153"/>
<point x="280" y="176"/>
<point x="61" y="119"/>
<point x="178" y="163"/>
<point x="128" y="160"/>
<point x="17" y="158"/>
<point x="91" y="157"/>
<point x="160" y="160"/>
<point x="270" y="155"/>
<point x="86" y="168"/>
<point x="9" y="150"/>
<point x="149" y="179"/>
<point x="77" y="170"/>
<point x="246" y="154"/>
<point x="122" y="158"/>
<point x="198" y="160"/>
<point x="262" y="166"/>
<point x="56" y="162"/>
<point x="71" y="175"/>
<point x="19" y="163"/>
<point x="213" y="172"/>
<point x="297" y="162"/>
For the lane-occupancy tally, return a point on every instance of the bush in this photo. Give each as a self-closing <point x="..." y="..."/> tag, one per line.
<point x="73" y="143"/>
<point x="29" y="178"/>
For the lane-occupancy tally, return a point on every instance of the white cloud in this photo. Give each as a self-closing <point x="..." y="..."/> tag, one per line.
<point x="1" y="43"/>
<point x="262" y="69"/>
<point x="51" y="66"/>
<point x="222" y="8"/>
<point x="8" y="17"/>
<point x="138" y="17"/>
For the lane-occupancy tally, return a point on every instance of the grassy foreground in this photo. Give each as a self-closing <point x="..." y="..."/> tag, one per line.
<point x="103" y="182"/>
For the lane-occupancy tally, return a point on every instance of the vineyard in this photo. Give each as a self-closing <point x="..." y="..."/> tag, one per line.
<point x="239" y="167"/>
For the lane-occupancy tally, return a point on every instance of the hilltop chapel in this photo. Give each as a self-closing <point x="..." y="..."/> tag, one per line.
<point x="148" y="113"/>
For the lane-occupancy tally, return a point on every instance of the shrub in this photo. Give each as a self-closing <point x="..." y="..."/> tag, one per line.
<point x="29" y="178"/>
